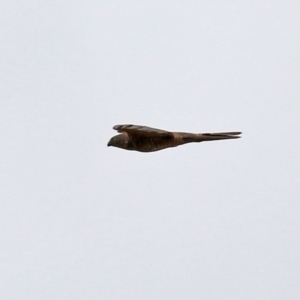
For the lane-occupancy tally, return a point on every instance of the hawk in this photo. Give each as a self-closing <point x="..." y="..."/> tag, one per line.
<point x="147" y="139"/>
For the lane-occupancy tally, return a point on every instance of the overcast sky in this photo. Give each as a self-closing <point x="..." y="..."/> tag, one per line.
<point x="216" y="220"/>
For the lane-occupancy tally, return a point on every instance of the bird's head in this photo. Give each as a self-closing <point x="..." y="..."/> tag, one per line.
<point x="119" y="141"/>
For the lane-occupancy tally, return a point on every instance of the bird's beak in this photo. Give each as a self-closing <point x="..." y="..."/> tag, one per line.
<point x="108" y="144"/>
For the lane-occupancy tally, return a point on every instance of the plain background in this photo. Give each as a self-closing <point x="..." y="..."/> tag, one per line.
<point x="218" y="220"/>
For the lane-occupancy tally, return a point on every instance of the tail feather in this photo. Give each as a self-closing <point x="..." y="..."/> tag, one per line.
<point x="217" y="136"/>
<point x="224" y="133"/>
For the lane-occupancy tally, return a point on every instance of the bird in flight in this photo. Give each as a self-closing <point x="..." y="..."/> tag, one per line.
<point x="147" y="139"/>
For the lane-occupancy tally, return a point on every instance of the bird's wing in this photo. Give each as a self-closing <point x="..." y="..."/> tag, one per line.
<point x="142" y="131"/>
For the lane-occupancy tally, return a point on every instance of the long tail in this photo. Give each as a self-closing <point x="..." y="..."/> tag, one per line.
<point x="201" y="137"/>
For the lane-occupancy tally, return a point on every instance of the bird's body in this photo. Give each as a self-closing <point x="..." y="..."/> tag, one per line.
<point x="147" y="139"/>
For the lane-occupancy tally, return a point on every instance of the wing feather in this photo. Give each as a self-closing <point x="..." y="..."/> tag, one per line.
<point x="142" y="131"/>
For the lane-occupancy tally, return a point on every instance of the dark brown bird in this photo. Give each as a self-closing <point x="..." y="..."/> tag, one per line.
<point x="147" y="139"/>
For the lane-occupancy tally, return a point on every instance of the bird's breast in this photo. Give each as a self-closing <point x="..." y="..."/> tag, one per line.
<point x="151" y="144"/>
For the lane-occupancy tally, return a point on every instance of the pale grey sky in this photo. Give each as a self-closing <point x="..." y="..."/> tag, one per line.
<point x="219" y="220"/>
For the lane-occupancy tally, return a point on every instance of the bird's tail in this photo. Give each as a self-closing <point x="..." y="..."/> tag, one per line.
<point x="202" y="137"/>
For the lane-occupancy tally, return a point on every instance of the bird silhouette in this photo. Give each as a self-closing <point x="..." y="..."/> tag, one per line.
<point x="147" y="139"/>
